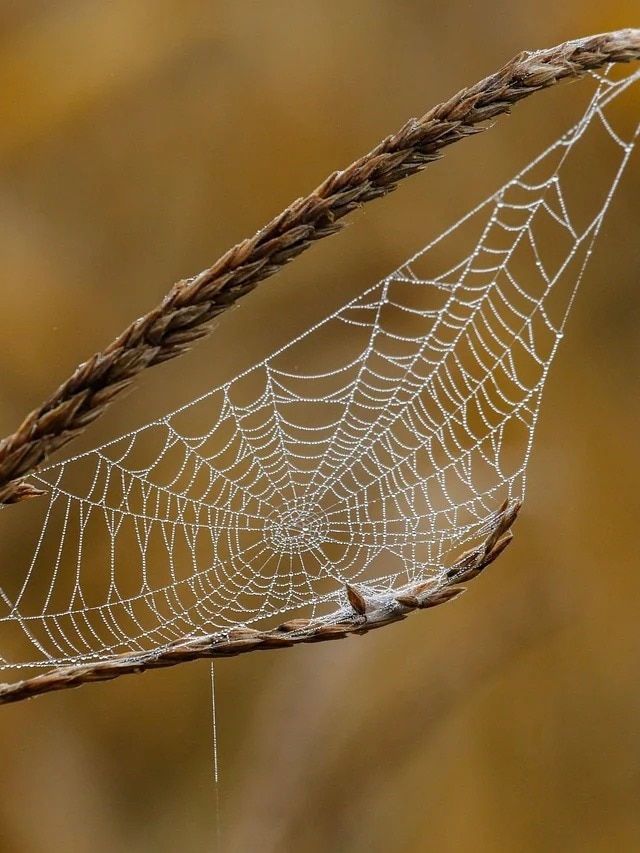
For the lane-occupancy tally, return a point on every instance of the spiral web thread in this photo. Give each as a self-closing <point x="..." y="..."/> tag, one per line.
<point x="370" y="450"/>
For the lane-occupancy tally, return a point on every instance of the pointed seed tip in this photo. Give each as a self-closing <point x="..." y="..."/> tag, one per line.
<point x="356" y="600"/>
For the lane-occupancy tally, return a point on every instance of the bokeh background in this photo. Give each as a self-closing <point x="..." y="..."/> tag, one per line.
<point x="140" y="139"/>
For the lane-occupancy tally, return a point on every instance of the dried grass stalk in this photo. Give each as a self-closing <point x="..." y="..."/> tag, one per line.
<point x="364" y="612"/>
<point x="186" y="313"/>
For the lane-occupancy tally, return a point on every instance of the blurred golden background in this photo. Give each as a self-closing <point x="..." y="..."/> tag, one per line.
<point x="140" y="140"/>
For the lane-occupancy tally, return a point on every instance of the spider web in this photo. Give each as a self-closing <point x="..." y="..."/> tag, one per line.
<point x="371" y="449"/>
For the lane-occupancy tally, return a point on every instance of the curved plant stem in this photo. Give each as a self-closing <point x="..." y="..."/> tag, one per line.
<point x="185" y="315"/>
<point x="364" y="612"/>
